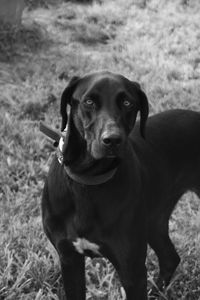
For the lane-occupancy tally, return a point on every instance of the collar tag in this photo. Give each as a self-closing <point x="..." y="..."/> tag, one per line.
<point x="60" y="150"/>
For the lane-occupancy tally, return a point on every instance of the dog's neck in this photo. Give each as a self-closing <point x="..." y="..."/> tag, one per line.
<point x="90" y="173"/>
<point x="92" y="167"/>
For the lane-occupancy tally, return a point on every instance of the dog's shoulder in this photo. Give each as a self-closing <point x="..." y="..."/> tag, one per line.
<point x="57" y="193"/>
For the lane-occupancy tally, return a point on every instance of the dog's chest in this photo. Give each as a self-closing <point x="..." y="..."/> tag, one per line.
<point x="84" y="236"/>
<point x="92" y="224"/>
<point x="84" y="246"/>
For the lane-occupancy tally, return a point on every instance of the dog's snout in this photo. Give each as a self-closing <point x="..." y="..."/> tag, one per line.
<point x="111" y="140"/>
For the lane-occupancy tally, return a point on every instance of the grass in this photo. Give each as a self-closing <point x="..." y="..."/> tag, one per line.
<point x="153" y="42"/>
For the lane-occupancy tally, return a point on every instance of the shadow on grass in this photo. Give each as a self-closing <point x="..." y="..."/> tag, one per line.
<point x="20" y="41"/>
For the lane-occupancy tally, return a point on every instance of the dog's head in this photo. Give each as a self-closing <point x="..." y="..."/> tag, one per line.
<point x="102" y="110"/>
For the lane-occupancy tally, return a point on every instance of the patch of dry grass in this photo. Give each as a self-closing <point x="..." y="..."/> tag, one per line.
<point x="90" y="25"/>
<point x="158" y="45"/>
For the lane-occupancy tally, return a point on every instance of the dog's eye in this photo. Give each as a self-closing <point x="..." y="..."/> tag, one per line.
<point x="127" y="103"/>
<point x="89" y="102"/>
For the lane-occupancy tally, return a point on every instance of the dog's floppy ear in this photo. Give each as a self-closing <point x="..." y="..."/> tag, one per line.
<point x="66" y="99"/>
<point x="143" y="108"/>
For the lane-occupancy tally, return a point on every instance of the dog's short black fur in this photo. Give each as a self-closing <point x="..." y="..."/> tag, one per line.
<point x="154" y="163"/>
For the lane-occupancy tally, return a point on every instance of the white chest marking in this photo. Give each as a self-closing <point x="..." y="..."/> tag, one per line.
<point x="82" y="244"/>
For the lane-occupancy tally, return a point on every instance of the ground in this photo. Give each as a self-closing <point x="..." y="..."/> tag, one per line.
<point x="156" y="43"/>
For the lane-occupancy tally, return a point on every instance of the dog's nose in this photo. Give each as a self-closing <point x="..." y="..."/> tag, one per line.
<point x="112" y="140"/>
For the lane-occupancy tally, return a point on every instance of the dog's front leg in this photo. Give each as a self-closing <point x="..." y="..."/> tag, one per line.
<point x="128" y="256"/>
<point x="129" y="262"/>
<point x="134" y="281"/>
<point x="73" y="271"/>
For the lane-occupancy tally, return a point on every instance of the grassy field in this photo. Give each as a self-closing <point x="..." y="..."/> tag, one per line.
<point x="157" y="44"/>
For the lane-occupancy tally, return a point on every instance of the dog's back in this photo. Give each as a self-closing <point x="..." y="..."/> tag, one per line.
<point x="171" y="151"/>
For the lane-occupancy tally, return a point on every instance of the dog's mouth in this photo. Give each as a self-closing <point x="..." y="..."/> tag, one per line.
<point x="112" y="153"/>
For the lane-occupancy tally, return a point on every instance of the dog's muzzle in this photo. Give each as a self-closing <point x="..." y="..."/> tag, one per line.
<point x="112" y="142"/>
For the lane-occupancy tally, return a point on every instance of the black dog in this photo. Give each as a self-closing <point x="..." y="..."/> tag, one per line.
<point x="114" y="183"/>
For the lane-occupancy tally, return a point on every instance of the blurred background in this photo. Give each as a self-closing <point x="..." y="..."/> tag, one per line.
<point x="43" y="43"/>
